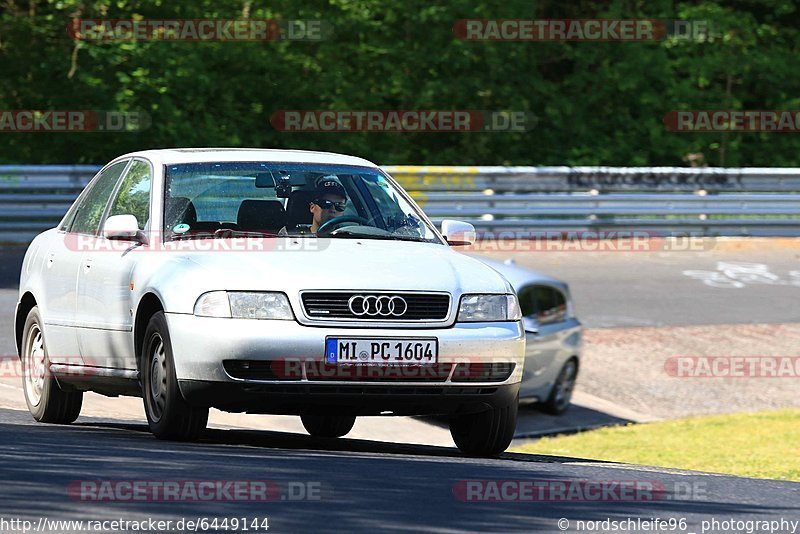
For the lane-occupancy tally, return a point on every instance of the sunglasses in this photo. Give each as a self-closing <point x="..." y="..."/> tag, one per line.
<point x="328" y="204"/>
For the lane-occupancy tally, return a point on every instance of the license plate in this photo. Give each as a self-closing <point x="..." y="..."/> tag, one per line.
<point x="376" y="351"/>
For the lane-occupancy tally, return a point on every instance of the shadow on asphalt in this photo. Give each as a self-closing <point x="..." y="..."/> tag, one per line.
<point x="533" y="423"/>
<point x="265" y="439"/>
<point x="361" y="491"/>
<point x="301" y="442"/>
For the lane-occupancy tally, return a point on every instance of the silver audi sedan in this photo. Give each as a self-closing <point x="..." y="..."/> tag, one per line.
<point x="554" y="337"/>
<point x="266" y="281"/>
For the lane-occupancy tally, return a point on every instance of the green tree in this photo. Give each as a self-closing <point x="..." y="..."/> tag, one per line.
<point x="595" y="102"/>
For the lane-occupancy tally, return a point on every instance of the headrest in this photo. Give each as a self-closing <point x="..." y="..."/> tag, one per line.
<point x="297" y="211"/>
<point x="179" y="210"/>
<point x="261" y="215"/>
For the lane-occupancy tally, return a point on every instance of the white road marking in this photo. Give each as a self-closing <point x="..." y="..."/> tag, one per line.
<point x="737" y="274"/>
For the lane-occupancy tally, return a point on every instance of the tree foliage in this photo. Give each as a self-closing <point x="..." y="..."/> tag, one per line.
<point x="596" y="103"/>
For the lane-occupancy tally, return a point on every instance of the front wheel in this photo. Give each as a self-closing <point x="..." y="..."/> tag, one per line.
<point x="561" y="394"/>
<point x="486" y="433"/>
<point x="46" y="401"/>
<point x="168" y="414"/>
<point x="328" y="426"/>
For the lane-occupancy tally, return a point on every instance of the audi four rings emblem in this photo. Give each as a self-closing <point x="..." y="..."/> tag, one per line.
<point x="377" y="305"/>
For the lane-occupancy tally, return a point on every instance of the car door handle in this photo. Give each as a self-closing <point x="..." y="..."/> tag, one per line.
<point x="87" y="264"/>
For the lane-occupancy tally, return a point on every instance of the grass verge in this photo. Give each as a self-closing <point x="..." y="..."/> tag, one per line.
<point x="761" y="444"/>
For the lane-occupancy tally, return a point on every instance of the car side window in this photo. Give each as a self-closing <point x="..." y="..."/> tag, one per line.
<point x="68" y="218"/>
<point x="543" y="304"/>
<point x="91" y="207"/>
<point x="526" y="301"/>
<point x="133" y="197"/>
<point x="551" y="305"/>
<point x="66" y="222"/>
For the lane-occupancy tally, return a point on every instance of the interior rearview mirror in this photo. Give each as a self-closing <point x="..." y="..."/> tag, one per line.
<point x="265" y="179"/>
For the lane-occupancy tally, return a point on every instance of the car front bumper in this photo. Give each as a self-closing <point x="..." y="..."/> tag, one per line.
<point x="349" y="399"/>
<point x="201" y="344"/>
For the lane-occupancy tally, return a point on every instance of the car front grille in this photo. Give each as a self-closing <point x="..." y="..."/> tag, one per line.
<point x="319" y="371"/>
<point x="293" y="370"/>
<point x="379" y="306"/>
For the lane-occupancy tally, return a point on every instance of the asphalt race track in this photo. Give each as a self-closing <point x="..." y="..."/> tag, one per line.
<point x="361" y="485"/>
<point x="628" y="289"/>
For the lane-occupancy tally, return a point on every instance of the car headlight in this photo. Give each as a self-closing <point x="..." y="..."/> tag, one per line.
<point x="244" y="305"/>
<point x="488" y="308"/>
<point x="213" y="304"/>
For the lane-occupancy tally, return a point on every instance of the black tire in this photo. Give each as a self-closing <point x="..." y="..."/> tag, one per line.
<point x="46" y="401"/>
<point x="486" y="433"/>
<point x="328" y="426"/>
<point x="561" y="394"/>
<point x="168" y="414"/>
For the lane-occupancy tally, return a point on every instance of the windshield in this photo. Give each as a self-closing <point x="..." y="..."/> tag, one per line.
<point x="205" y="200"/>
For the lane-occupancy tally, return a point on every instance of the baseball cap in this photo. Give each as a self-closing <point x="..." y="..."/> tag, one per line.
<point x="330" y="184"/>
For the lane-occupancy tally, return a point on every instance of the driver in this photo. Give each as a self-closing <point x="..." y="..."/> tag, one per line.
<point x="329" y="202"/>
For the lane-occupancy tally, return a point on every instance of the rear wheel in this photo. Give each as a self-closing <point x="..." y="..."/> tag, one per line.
<point x="561" y="394"/>
<point x="486" y="433"/>
<point x="328" y="426"/>
<point x="168" y="414"/>
<point x="46" y="401"/>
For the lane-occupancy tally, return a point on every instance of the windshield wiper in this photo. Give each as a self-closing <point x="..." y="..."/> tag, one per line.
<point x="223" y="233"/>
<point x="350" y="234"/>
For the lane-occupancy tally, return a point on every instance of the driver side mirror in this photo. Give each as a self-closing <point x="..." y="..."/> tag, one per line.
<point x="458" y="232"/>
<point x="123" y="228"/>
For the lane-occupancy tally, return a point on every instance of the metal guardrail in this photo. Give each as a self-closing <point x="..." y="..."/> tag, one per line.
<point x="34" y="198"/>
<point x="661" y="200"/>
<point x="601" y="179"/>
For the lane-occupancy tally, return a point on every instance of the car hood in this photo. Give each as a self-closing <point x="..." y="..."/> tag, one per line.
<point x="292" y="265"/>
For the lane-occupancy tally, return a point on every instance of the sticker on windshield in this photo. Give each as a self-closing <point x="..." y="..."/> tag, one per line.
<point x="181" y="228"/>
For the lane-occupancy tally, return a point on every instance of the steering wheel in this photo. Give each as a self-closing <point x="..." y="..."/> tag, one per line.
<point x="337" y="222"/>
